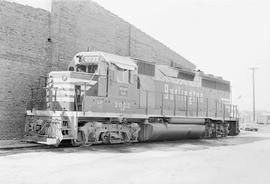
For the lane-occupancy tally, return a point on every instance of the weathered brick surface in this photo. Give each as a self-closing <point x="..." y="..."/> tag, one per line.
<point x="23" y="58"/>
<point x="73" y="26"/>
<point x="82" y="25"/>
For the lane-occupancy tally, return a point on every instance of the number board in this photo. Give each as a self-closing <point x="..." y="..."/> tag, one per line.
<point x="91" y="59"/>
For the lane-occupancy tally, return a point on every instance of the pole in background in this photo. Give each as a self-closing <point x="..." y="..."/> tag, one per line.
<point x="253" y="82"/>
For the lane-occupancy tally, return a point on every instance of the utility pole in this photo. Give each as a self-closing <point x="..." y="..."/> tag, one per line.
<point x="253" y="82"/>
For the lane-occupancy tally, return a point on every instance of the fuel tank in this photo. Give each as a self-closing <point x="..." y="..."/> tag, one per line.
<point x="162" y="131"/>
<point x="179" y="120"/>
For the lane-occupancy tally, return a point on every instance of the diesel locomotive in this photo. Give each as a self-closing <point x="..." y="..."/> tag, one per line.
<point x="104" y="98"/>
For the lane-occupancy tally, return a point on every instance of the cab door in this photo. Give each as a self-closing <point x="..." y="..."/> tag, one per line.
<point x="123" y="89"/>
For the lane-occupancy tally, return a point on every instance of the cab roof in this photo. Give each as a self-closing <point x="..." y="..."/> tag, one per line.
<point x="120" y="61"/>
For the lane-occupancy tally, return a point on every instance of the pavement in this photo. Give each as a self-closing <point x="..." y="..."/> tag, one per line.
<point x="233" y="160"/>
<point x="16" y="143"/>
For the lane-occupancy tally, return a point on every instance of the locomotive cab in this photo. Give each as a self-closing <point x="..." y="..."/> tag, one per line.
<point x="94" y="79"/>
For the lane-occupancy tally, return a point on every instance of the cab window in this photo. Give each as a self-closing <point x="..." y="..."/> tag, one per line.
<point x="92" y="68"/>
<point x="81" y="68"/>
<point x="122" y="76"/>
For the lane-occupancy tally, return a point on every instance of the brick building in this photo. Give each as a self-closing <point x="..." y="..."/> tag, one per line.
<point x="34" y="41"/>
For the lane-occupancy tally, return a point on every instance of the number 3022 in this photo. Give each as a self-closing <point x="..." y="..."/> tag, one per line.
<point x="122" y="105"/>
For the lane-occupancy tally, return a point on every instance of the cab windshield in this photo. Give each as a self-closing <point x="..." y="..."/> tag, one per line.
<point x="91" y="68"/>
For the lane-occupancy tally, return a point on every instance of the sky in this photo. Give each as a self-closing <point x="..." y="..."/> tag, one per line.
<point x="221" y="37"/>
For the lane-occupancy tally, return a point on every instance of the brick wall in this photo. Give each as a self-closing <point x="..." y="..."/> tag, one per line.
<point x="73" y="26"/>
<point x="84" y="25"/>
<point x="23" y="58"/>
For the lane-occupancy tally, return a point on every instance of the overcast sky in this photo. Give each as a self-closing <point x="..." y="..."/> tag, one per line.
<point x="221" y="37"/>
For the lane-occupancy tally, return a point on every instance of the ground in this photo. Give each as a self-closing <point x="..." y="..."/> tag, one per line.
<point x="242" y="159"/>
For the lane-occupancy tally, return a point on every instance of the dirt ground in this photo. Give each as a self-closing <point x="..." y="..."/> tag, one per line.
<point x="241" y="159"/>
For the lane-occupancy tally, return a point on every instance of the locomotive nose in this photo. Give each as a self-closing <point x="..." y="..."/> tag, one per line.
<point x="66" y="90"/>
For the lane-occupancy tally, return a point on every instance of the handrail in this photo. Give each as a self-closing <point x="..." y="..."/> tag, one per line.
<point x="192" y="105"/>
<point x="175" y="103"/>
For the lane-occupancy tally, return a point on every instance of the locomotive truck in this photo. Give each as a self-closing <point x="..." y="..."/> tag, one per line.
<point x="104" y="98"/>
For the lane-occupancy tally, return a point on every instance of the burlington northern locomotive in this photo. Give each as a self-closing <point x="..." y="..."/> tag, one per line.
<point x="106" y="98"/>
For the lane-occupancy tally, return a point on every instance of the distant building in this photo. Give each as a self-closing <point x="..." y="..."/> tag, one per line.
<point x="266" y="118"/>
<point x="262" y="117"/>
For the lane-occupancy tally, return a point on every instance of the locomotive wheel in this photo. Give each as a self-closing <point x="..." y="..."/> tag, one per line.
<point x="125" y="138"/>
<point x="79" y="141"/>
<point x="75" y="143"/>
<point x="105" y="137"/>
